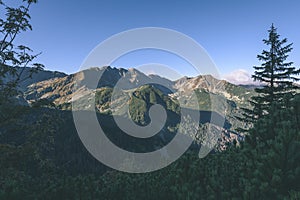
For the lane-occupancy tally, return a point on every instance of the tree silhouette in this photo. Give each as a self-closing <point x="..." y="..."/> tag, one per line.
<point x="14" y="59"/>
<point x="277" y="74"/>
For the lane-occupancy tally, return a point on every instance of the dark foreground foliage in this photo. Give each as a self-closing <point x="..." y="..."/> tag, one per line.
<point x="43" y="158"/>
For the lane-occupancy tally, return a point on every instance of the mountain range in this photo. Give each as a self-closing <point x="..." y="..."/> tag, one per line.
<point x="59" y="88"/>
<point x="137" y="92"/>
<point x="42" y="128"/>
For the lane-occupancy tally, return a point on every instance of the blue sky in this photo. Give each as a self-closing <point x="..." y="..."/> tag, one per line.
<point x="230" y="30"/>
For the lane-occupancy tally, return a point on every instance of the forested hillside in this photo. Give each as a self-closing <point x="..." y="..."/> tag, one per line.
<point x="256" y="156"/>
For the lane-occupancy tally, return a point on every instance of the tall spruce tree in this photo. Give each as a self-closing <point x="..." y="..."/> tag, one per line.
<point x="272" y="145"/>
<point x="277" y="75"/>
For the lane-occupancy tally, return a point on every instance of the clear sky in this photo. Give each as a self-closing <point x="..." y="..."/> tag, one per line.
<point x="230" y="30"/>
